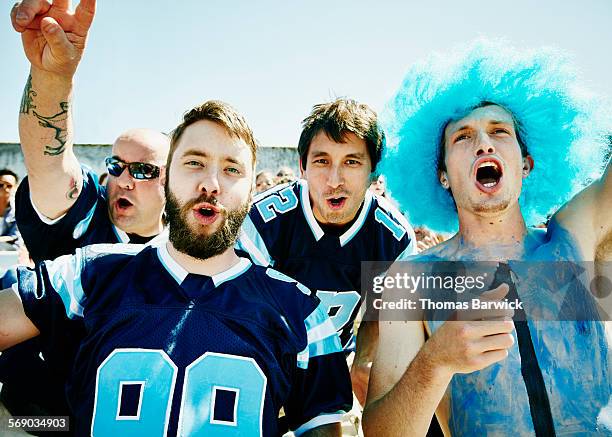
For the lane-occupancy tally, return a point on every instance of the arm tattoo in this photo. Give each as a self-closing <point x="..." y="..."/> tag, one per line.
<point x="53" y="122"/>
<point x="73" y="192"/>
<point x="27" y="101"/>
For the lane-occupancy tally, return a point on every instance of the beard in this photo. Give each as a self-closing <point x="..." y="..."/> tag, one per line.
<point x="196" y="244"/>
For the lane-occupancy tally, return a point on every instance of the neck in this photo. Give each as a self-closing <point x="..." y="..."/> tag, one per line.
<point x="149" y="231"/>
<point x="207" y="267"/>
<point x="504" y="233"/>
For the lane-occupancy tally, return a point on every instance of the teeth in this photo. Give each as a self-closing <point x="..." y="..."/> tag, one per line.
<point x="488" y="164"/>
<point x="490" y="184"/>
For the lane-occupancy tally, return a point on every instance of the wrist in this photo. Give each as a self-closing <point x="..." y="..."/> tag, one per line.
<point x="50" y="81"/>
<point x="438" y="371"/>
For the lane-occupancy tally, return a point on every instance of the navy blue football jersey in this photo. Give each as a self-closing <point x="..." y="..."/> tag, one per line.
<point x="281" y="231"/>
<point x="171" y="353"/>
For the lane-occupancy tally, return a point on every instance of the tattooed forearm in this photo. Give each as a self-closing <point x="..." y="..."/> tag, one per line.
<point x="73" y="192"/>
<point x="27" y="100"/>
<point x="58" y="123"/>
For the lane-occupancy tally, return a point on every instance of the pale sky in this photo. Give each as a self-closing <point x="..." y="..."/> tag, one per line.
<point x="148" y="62"/>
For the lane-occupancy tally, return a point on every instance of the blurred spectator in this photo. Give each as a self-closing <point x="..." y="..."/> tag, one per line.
<point x="426" y="238"/>
<point x="378" y="185"/>
<point x="9" y="234"/>
<point x="285" y="174"/>
<point x="264" y="180"/>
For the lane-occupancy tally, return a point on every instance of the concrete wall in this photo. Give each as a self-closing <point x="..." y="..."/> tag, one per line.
<point x="93" y="155"/>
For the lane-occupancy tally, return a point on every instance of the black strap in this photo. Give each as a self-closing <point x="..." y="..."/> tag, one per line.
<point x="539" y="404"/>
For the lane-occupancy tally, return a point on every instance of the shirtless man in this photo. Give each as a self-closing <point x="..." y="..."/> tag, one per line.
<point x="514" y="116"/>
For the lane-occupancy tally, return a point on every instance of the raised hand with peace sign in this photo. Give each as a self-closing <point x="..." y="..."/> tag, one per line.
<point x="53" y="37"/>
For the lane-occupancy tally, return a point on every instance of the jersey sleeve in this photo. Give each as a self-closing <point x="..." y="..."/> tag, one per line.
<point x="321" y="390"/>
<point x="46" y="238"/>
<point x="52" y="293"/>
<point x="411" y="248"/>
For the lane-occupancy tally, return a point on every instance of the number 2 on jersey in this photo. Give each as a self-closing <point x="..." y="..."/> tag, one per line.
<point x="277" y="203"/>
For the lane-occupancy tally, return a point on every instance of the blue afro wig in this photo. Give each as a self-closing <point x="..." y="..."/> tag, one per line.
<point x="563" y="128"/>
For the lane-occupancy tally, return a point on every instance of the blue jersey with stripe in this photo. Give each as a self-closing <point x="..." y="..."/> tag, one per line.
<point x="171" y="353"/>
<point x="281" y="231"/>
<point x="86" y="222"/>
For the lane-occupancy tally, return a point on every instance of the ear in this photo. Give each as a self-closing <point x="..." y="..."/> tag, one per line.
<point x="527" y="165"/>
<point x="444" y="180"/>
<point x="162" y="175"/>
<point x="301" y="170"/>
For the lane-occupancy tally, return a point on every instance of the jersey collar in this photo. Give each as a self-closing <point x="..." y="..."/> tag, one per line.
<point x="121" y="235"/>
<point x="307" y="209"/>
<point x="179" y="273"/>
<point x="314" y="224"/>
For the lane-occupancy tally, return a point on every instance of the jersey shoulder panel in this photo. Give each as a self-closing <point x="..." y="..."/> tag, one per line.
<point x="273" y="216"/>
<point x="86" y="222"/>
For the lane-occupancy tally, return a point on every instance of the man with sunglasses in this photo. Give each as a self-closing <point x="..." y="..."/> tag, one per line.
<point x="61" y="206"/>
<point x="127" y="209"/>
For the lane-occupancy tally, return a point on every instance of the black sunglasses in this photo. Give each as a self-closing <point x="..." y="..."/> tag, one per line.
<point x="138" y="170"/>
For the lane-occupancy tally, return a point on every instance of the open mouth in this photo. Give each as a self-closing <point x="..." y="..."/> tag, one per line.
<point x="336" y="202"/>
<point x="206" y="213"/>
<point x="123" y="203"/>
<point x="488" y="174"/>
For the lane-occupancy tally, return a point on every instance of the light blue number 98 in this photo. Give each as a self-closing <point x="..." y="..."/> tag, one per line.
<point x="155" y="373"/>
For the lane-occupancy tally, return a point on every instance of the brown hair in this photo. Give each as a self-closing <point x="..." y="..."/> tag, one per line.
<point x="336" y="119"/>
<point x="218" y="112"/>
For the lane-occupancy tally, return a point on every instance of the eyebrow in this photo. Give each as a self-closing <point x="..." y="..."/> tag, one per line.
<point x="234" y="161"/>
<point x="196" y="152"/>
<point x="467" y="127"/>
<point x="317" y="153"/>
<point x="358" y="155"/>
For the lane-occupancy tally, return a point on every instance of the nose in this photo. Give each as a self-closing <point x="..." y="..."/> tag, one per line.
<point x="125" y="180"/>
<point x="335" y="178"/>
<point x="209" y="183"/>
<point x="484" y="145"/>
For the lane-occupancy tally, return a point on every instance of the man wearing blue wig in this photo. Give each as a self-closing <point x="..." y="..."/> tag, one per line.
<point x="494" y="142"/>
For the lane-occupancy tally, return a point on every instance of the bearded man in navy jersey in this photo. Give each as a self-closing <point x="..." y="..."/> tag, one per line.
<point x="185" y="336"/>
